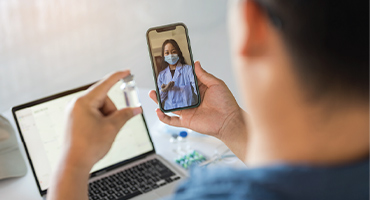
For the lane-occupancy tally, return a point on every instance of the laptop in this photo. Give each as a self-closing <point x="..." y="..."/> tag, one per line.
<point x="130" y="170"/>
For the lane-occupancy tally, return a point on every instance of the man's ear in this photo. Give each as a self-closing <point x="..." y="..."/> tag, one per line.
<point x="256" y="23"/>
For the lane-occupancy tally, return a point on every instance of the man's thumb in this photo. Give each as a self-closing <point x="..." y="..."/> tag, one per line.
<point x="203" y="76"/>
<point x="120" y="117"/>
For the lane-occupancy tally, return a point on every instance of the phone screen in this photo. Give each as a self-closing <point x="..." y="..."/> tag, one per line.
<point x="173" y="67"/>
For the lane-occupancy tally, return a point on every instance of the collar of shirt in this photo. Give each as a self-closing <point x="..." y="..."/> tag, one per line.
<point x="178" y="71"/>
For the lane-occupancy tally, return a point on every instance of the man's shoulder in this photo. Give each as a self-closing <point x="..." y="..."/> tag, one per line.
<point x="278" y="182"/>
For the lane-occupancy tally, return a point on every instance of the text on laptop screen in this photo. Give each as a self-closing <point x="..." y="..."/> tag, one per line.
<point x="42" y="127"/>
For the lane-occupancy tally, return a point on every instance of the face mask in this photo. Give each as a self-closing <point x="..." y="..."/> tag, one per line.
<point x="171" y="59"/>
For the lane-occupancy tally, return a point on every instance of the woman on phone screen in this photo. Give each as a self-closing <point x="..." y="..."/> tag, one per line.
<point x="176" y="80"/>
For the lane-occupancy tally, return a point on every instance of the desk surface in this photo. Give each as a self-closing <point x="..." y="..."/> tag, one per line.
<point x="26" y="188"/>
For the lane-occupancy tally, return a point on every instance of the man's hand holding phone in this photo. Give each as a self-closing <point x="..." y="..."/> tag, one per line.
<point x="218" y="115"/>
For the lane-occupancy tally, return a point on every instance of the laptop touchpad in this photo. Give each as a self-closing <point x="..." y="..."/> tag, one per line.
<point x="147" y="196"/>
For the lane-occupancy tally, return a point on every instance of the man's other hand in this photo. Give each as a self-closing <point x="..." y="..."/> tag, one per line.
<point x="94" y="121"/>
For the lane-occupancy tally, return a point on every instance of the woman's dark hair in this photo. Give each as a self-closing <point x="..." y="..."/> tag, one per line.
<point x="179" y="53"/>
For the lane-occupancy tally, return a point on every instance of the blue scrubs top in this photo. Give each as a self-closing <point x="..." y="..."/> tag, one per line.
<point x="183" y="93"/>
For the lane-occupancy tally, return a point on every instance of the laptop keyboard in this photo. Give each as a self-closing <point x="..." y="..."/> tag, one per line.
<point x="131" y="182"/>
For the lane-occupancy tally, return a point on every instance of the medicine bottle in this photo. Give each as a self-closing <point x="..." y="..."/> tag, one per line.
<point x="130" y="91"/>
<point x="183" y="146"/>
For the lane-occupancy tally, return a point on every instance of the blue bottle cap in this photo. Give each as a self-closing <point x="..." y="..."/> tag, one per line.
<point x="183" y="134"/>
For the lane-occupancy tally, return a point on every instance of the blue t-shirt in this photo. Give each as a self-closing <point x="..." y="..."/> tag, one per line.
<point x="286" y="182"/>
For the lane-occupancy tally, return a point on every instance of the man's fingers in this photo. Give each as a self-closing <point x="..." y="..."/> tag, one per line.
<point x="170" y="120"/>
<point x="203" y="76"/>
<point x="120" y="117"/>
<point x="108" y="107"/>
<point x="153" y="96"/>
<point x="100" y="89"/>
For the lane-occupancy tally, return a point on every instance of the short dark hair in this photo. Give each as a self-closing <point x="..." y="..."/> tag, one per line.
<point x="328" y="41"/>
<point x="174" y="44"/>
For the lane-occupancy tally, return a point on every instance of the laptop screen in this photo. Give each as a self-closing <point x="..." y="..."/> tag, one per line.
<point x="42" y="127"/>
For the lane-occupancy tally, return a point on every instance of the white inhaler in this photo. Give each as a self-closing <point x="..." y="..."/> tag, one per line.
<point x="130" y="91"/>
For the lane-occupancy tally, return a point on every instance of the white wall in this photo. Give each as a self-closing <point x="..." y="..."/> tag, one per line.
<point x="53" y="45"/>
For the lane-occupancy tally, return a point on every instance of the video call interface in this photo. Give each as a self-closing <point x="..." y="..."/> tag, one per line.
<point x="173" y="68"/>
<point x="43" y="128"/>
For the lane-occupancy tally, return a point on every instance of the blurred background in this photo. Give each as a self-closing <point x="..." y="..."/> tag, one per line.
<point x="50" y="46"/>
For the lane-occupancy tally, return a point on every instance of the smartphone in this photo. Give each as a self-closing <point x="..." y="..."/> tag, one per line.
<point x="173" y="67"/>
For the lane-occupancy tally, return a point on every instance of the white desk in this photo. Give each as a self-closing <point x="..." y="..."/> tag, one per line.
<point x="26" y="188"/>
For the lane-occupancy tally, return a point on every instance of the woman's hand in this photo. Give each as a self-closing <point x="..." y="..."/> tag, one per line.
<point x="163" y="86"/>
<point x="167" y="87"/>
<point x="218" y="115"/>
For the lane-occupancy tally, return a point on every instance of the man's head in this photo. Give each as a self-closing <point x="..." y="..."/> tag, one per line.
<point x="300" y="59"/>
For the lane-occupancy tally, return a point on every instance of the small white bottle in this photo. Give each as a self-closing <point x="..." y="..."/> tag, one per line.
<point x="182" y="145"/>
<point x="130" y="91"/>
